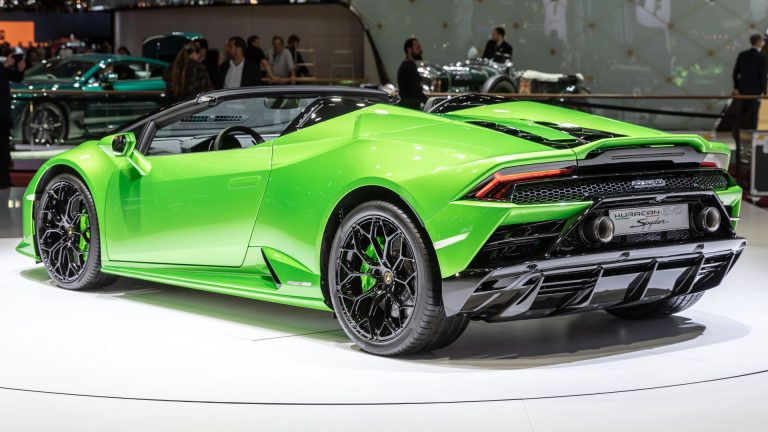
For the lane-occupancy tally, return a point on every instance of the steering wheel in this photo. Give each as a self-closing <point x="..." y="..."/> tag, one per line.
<point x="219" y="141"/>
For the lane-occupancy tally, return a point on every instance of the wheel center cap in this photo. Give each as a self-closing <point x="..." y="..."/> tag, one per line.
<point x="70" y="231"/>
<point x="388" y="277"/>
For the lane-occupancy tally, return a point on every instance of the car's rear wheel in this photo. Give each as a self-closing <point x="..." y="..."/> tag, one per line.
<point x="67" y="233"/>
<point x="453" y="328"/>
<point x="46" y="125"/>
<point x="657" y="309"/>
<point x="385" y="284"/>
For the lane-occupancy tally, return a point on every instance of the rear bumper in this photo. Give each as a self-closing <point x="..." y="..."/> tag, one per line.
<point x="590" y="281"/>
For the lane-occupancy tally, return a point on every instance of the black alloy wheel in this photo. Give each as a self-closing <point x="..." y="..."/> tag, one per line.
<point x="384" y="283"/>
<point x="67" y="234"/>
<point x="377" y="278"/>
<point x="45" y="125"/>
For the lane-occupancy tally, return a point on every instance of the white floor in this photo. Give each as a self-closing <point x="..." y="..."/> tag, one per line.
<point x="142" y="356"/>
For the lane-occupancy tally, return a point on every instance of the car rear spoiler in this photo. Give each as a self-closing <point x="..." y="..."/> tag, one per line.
<point x="694" y="141"/>
<point x="682" y="150"/>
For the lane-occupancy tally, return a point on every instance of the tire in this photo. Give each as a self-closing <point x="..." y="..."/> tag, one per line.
<point x="504" y="87"/>
<point x="45" y="125"/>
<point x="453" y="328"/>
<point x="657" y="309"/>
<point x="384" y="283"/>
<point x="67" y="235"/>
<point x="499" y="84"/>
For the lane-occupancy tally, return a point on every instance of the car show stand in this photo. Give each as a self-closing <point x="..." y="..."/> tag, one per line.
<point x="136" y="354"/>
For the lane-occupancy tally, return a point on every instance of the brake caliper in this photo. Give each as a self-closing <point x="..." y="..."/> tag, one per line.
<point x="368" y="282"/>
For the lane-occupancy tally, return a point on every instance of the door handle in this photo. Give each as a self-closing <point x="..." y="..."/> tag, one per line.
<point x="244" y="182"/>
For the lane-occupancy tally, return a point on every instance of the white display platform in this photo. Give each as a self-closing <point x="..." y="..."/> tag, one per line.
<point x="140" y="355"/>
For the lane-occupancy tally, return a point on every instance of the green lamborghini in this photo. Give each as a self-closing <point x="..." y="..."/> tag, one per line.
<point x="405" y="224"/>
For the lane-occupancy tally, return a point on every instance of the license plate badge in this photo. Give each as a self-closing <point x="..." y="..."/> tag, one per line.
<point x="649" y="219"/>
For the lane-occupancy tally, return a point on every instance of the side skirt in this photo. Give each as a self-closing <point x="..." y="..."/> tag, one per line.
<point x="253" y="280"/>
<point x="254" y="287"/>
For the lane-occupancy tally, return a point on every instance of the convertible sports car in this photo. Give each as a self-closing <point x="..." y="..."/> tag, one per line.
<point x="406" y="224"/>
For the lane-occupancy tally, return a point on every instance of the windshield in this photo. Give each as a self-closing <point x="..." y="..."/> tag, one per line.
<point x="194" y="131"/>
<point x="58" y="69"/>
<point x="267" y="116"/>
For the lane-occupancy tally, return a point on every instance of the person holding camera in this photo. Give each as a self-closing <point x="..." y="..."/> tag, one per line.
<point x="12" y="70"/>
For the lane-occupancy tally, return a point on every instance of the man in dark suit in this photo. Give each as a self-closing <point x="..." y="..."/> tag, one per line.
<point x="749" y="78"/>
<point x="12" y="70"/>
<point x="238" y="71"/>
<point x="497" y="49"/>
<point x="408" y="78"/>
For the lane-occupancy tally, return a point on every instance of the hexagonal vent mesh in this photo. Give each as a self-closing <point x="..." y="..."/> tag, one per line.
<point x="585" y="188"/>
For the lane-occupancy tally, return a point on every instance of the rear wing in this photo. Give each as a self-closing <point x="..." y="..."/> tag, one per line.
<point x="671" y="150"/>
<point x="659" y="141"/>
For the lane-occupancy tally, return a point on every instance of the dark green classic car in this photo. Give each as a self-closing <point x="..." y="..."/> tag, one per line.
<point x="68" y="99"/>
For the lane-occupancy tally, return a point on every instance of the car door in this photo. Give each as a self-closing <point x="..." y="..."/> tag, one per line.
<point x="194" y="206"/>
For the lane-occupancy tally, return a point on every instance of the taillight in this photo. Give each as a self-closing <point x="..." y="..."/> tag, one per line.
<point x="715" y="160"/>
<point x="499" y="184"/>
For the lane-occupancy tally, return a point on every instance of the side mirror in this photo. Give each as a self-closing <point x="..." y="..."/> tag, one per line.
<point x="123" y="144"/>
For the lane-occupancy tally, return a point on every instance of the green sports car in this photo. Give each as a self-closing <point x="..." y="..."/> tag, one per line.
<point x="406" y="224"/>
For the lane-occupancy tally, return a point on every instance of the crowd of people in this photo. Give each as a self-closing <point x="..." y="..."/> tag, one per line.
<point x="35" y="52"/>
<point x="198" y="68"/>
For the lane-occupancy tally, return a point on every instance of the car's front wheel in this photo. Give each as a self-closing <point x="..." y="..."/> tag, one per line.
<point x="67" y="233"/>
<point x="385" y="285"/>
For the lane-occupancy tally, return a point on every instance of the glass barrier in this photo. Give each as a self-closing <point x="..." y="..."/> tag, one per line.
<point x="44" y="118"/>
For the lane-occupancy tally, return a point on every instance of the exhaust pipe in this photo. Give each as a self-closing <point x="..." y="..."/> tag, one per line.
<point x="707" y="220"/>
<point x="598" y="230"/>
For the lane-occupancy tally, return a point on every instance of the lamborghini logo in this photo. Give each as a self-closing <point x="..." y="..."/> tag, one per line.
<point x="646" y="184"/>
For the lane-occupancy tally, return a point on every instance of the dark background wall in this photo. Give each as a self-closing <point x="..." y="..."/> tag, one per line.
<point x="53" y="25"/>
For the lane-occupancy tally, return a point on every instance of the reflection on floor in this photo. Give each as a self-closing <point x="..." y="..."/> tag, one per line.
<point x="10" y="212"/>
<point x="146" y="356"/>
<point x="588" y="336"/>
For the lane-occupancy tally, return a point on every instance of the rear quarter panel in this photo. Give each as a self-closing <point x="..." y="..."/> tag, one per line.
<point x="428" y="161"/>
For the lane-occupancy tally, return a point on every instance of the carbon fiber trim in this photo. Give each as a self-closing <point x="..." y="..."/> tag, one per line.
<point x="591" y="281"/>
